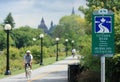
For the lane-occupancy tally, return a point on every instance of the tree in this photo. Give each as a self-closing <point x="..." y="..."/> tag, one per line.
<point x="9" y="20"/>
<point x="117" y="32"/>
<point x="93" y="5"/>
<point x="70" y="27"/>
<point x="23" y="36"/>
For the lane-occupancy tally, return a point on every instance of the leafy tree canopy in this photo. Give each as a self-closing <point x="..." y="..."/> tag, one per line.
<point x="70" y="27"/>
<point x="23" y="36"/>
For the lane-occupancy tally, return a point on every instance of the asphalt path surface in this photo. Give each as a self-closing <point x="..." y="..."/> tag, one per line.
<point x="56" y="72"/>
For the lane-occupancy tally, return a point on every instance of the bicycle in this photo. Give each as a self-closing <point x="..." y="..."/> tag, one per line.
<point x="73" y="55"/>
<point x="28" y="70"/>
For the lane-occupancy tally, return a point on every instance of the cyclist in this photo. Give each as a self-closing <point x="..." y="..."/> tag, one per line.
<point x="28" y="59"/>
<point x="73" y="52"/>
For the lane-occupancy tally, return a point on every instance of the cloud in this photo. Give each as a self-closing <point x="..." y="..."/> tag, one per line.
<point x="30" y="12"/>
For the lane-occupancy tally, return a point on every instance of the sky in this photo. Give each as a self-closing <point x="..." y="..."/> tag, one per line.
<point x="30" y="12"/>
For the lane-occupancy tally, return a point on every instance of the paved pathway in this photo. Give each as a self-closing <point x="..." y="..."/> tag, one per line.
<point x="56" y="72"/>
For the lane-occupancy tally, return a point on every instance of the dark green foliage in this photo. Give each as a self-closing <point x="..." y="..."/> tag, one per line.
<point x="113" y="68"/>
<point x="2" y="40"/>
<point x="23" y="36"/>
<point x="90" y="61"/>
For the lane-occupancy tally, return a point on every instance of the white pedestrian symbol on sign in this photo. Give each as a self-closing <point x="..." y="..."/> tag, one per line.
<point x="103" y="24"/>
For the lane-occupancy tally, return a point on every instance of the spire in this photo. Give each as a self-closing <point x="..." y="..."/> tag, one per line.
<point x="43" y="25"/>
<point x="51" y="23"/>
<point x="42" y="21"/>
<point x="52" y="27"/>
<point x="73" y="11"/>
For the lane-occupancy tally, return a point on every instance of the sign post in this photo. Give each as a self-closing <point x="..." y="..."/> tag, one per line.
<point x="103" y="36"/>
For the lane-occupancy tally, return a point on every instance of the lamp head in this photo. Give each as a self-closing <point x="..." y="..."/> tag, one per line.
<point x="34" y="39"/>
<point x="41" y="35"/>
<point x="7" y="27"/>
<point x="66" y="40"/>
<point x="57" y="39"/>
<point x="72" y="41"/>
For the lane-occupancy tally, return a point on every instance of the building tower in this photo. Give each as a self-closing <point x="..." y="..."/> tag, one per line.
<point x="43" y="26"/>
<point x="51" y="24"/>
<point x="73" y="11"/>
<point x="52" y="27"/>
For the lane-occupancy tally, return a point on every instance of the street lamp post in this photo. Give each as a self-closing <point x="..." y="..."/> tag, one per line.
<point x="66" y="40"/>
<point x="41" y="54"/>
<point x="7" y="28"/>
<point x="57" y="39"/>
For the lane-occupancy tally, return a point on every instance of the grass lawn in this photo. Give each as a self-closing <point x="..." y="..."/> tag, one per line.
<point x="46" y="61"/>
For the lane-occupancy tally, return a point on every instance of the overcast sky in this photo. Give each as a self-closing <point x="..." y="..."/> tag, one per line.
<point x="30" y="12"/>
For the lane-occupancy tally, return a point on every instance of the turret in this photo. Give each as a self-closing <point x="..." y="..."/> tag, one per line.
<point x="43" y="26"/>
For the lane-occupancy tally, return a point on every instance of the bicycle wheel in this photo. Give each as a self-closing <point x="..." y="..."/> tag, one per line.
<point x="28" y="72"/>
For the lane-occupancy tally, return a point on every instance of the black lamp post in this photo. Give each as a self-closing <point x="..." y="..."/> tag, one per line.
<point x="57" y="39"/>
<point x="41" y="54"/>
<point x="66" y="41"/>
<point x="7" y="28"/>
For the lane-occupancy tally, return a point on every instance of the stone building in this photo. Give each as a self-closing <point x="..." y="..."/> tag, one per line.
<point x="43" y="26"/>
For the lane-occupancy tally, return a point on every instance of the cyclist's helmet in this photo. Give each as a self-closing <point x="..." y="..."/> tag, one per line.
<point x="28" y="51"/>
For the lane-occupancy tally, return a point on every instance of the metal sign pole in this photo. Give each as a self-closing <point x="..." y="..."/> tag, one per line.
<point x="103" y="68"/>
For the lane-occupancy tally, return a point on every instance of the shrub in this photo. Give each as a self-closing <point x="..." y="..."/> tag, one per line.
<point x="16" y="64"/>
<point x="14" y="53"/>
<point x="113" y="68"/>
<point x="2" y="63"/>
<point x="89" y="76"/>
<point x="51" y="51"/>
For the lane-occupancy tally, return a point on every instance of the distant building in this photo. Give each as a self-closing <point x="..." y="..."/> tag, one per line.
<point x="43" y="26"/>
<point x="52" y="27"/>
<point x="51" y="24"/>
<point x="73" y="11"/>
